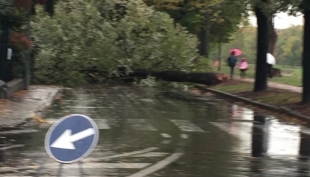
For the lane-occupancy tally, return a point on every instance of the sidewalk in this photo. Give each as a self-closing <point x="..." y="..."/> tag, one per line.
<point x="25" y="104"/>
<point x="276" y="85"/>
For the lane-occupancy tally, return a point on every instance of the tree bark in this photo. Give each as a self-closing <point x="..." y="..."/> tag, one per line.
<point x="204" y="37"/>
<point x="306" y="57"/>
<point x="262" y="50"/>
<point x="176" y="76"/>
<point x="219" y="56"/>
<point x="273" y="37"/>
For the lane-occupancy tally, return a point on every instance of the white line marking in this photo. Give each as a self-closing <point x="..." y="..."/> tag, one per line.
<point x="147" y="100"/>
<point x="83" y="107"/>
<point x="165" y="135"/>
<point x="222" y="126"/>
<point x="184" y="136"/>
<point x="166" y="142"/>
<point x="102" y="124"/>
<point x="141" y="124"/>
<point x="53" y="176"/>
<point x="236" y="129"/>
<point x="152" y="154"/>
<point x="120" y="155"/>
<point x="99" y="165"/>
<point x="159" y="165"/>
<point x="186" y="126"/>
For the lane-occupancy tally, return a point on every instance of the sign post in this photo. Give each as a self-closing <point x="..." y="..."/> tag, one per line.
<point x="71" y="139"/>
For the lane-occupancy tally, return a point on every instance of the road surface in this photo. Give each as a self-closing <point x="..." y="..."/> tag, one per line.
<point x="145" y="132"/>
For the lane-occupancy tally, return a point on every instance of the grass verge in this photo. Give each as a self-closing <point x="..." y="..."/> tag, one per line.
<point x="291" y="75"/>
<point x="274" y="97"/>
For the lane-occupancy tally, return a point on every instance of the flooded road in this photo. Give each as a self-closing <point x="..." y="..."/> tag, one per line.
<point x="149" y="132"/>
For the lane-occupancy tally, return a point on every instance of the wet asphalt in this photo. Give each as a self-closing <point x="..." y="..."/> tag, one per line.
<point x="163" y="133"/>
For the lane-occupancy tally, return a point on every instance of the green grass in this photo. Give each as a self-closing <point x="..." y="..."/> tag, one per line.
<point x="277" y="98"/>
<point x="234" y="88"/>
<point x="280" y="98"/>
<point x="291" y="75"/>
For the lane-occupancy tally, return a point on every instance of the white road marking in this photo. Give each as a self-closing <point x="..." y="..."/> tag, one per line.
<point x="120" y="155"/>
<point x="83" y="107"/>
<point x="186" y="126"/>
<point x="152" y="154"/>
<point x="99" y="165"/>
<point x="165" y="135"/>
<point x="184" y="136"/>
<point x="102" y="124"/>
<point x="166" y="142"/>
<point x="159" y="165"/>
<point x="141" y="124"/>
<point x="222" y="126"/>
<point x="147" y="100"/>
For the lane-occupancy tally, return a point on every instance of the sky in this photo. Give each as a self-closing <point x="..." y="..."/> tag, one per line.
<point x="282" y="20"/>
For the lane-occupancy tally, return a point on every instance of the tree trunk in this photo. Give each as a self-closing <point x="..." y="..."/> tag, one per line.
<point x="306" y="58"/>
<point x="204" y="37"/>
<point x="219" y="56"/>
<point x="262" y="50"/>
<point x="177" y="76"/>
<point x="273" y="37"/>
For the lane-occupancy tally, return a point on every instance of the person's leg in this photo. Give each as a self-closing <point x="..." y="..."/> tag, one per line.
<point x="242" y="73"/>
<point x="231" y="72"/>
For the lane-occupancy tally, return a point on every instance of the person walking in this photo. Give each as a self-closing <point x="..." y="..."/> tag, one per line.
<point x="243" y="67"/>
<point x="232" y="60"/>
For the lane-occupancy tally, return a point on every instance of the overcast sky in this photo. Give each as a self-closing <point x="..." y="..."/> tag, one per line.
<point x="283" y="21"/>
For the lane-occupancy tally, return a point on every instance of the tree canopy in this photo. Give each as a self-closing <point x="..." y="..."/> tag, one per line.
<point x="287" y="51"/>
<point x="80" y="36"/>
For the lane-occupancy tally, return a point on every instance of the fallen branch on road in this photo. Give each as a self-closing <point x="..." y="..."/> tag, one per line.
<point x="121" y="73"/>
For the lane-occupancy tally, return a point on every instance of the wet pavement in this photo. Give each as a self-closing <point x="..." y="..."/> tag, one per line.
<point x="25" y="104"/>
<point x="146" y="132"/>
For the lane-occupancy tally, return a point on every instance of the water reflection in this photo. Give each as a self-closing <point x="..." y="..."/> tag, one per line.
<point x="304" y="149"/>
<point x="2" y="156"/>
<point x="260" y="135"/>
<point x="304" y="153"/>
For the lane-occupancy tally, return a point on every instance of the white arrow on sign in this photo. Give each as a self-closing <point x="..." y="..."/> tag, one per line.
<point x="66" y="140"/>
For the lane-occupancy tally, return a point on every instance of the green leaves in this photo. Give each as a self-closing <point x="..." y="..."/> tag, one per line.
<point x="6" y="7"/>
<point x="80" y="36"/>
<point x="288" y="48"/>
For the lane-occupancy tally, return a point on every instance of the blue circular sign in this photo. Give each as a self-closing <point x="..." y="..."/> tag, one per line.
<point x="72" y="138"/>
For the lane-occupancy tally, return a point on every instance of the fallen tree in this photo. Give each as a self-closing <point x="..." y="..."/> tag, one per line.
<point x="126" y="74"/>
<point x="177" y="76"/>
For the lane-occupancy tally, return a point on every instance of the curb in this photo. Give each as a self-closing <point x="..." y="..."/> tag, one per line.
<point x="43" y="110"/>
<point x="281" y="109"/>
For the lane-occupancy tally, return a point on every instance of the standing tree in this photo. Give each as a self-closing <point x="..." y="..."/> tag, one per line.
<point x="262" y="46"/>
<point x="264" y="11"/>
<point x="202" y="17"/>
<point x="305" y="6"/>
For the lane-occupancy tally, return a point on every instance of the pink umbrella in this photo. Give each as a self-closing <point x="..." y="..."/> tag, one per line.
<point x="237" y="51"/>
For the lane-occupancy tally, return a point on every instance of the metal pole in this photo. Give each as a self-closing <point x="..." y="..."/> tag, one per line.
<point x="80" y="163"/>
<point x="59" y="172"/>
